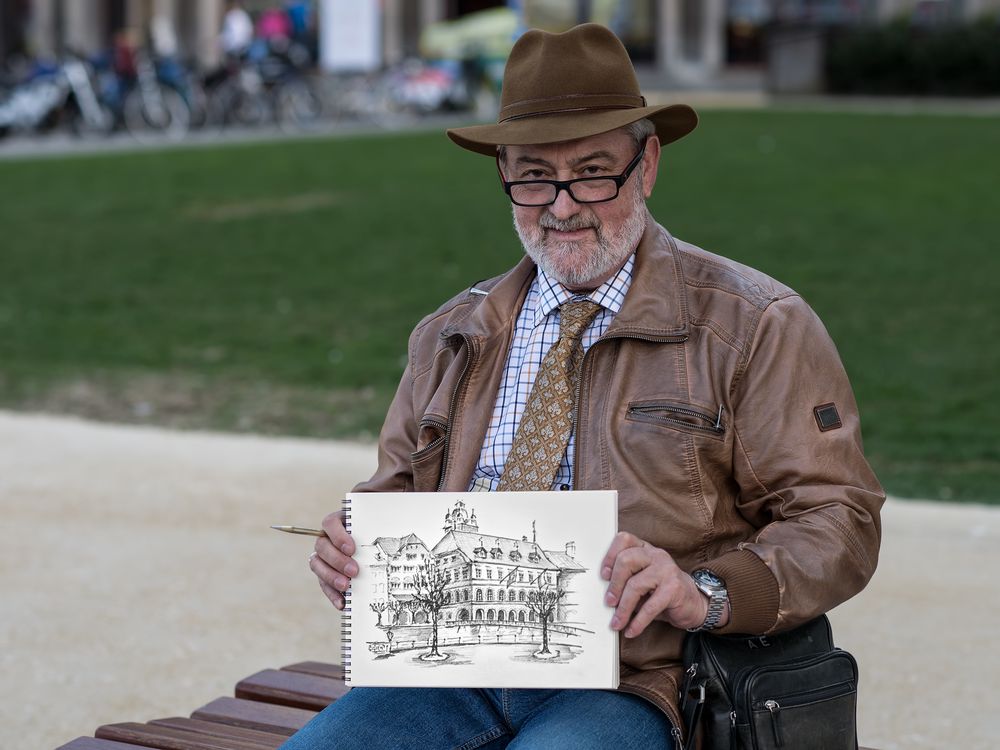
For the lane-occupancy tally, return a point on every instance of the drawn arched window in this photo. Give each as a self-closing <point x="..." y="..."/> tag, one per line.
<point x="521" y="595"/>
<point x="511" y="617"/>
<point x="489" y="595"/>
<point x="520" y="616"/>
<point x="490" y="615"/>
<point x="463" y="615"/>
<point x="531" y="616"/>
<point x="447" y="598"/>
<point x="500" y="595"/>
<point x="479" y="595"/>
<point x="479" y="614"/>
<point x="465" y="595"/>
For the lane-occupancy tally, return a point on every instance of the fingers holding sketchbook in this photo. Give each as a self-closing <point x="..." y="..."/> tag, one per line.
<point x="331" y="561"/>
<point x="645" y="584"/>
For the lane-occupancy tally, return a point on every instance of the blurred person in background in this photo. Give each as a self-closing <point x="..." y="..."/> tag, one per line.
<point x="236" y="34"/>
<point x="274" y="23"/>
<point x="614" y="356"/>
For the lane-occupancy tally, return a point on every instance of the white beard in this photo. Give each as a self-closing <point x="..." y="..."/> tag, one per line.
<point x="575" y="266"/>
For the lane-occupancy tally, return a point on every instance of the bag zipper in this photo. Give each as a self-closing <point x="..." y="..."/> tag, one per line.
<point x="795" y="700"/>
<point x="775" y="708"/>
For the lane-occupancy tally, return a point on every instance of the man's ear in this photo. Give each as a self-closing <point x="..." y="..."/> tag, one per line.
<point x="650" y="165"/>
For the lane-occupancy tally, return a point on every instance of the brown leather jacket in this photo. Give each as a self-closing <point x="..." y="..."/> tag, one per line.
<point x="784" y="512"/>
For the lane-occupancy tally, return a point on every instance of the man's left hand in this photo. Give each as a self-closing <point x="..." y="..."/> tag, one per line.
<point x="646" y="584"/>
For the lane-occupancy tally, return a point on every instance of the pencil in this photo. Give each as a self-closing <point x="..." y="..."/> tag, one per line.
<point x="300" y="530"/>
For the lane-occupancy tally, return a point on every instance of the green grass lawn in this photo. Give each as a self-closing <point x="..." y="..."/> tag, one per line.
<point x="272" y="287"/>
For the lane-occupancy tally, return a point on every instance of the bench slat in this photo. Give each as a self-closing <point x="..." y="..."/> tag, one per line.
<point x="92" y="743"/>
<point x="215" y="729"/>
<point x="254" y="715"/>
<point x="165" y="738"/>
<point x="318" y="668"/>
<point x="286" y="688"/>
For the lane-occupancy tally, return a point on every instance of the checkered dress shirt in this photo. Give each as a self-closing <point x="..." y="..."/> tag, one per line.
<point x="537" y="329"/>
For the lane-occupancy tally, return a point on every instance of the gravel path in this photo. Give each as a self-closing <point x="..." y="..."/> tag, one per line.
<point x="139" y="579"/>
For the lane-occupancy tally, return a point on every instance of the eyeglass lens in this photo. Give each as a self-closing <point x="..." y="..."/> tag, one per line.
<point x="585" y="191"/>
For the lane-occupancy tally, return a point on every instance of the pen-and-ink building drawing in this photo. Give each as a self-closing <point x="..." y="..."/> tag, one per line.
<point x="488" y="578"/>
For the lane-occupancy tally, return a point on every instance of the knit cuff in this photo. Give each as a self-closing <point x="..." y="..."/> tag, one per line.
<point x="753" y="592"/>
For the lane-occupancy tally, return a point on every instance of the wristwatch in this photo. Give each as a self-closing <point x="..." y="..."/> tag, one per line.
<point x="715" y="589"/>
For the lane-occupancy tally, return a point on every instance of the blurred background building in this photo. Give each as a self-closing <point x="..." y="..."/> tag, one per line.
<point x="690" y="41"/>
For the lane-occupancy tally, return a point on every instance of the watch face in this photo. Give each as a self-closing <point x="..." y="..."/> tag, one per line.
<point x="708" y="578"/>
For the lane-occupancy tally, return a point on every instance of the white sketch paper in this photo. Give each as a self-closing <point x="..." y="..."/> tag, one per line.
<point x="482" y="590"/>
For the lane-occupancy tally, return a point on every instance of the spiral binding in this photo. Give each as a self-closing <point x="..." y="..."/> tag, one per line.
<point x="345" y="618"/>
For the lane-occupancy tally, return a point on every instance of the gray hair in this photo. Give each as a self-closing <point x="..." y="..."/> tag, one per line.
<point x="639" y="130"/>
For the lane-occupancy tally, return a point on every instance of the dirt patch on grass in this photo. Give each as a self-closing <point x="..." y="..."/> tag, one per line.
<point x="189" y="402"/>
<point x="248" y="209"/>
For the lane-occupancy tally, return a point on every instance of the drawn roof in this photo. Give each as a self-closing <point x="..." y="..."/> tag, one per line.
<point x="391" y="545"/>
<point x="564" y="561"/>
<point x="466" y="542"/>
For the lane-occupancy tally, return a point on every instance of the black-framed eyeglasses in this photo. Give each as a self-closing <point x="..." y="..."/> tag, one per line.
<point x="583" y="189"/>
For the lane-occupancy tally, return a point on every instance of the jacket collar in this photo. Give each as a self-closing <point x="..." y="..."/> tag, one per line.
<point x="655" y="306"/>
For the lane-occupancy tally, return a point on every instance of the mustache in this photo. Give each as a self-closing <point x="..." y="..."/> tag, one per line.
<point x="572" y="224"/>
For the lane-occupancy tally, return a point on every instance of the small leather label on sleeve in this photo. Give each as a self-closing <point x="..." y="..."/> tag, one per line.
<point x="827" y="417"/>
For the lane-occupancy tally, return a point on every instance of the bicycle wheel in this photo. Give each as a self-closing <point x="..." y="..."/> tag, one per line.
<point x="297" y="106"/>
<point x="156" y="114"/>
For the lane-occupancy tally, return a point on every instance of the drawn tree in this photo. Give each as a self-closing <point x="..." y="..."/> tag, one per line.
<point x="428" y="592"/>
<point x="543" y="602"/>
<point x="395" y="607"/>
<point x="378" y="608"/>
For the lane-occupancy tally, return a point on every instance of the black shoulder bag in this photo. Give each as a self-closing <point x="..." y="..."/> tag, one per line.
<point x="791" y="690"/>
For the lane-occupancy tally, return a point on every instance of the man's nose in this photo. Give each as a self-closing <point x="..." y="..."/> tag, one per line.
<point x="564" y="205"/>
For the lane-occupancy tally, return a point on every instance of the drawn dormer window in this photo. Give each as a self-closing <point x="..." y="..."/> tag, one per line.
<point x="480" y="551"/>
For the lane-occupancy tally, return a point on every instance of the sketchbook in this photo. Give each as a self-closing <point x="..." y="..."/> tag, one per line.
<point x="480" y="589"/>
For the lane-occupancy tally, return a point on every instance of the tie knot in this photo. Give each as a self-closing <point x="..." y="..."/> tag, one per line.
<point x="575" y="316"/>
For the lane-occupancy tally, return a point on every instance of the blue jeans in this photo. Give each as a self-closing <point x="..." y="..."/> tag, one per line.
<point x="471" y="719"/>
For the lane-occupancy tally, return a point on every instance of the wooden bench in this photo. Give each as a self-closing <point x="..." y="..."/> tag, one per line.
<point x="267" y="709"/>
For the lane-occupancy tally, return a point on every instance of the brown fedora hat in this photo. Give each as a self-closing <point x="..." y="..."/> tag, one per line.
<point x="559" y="87"/>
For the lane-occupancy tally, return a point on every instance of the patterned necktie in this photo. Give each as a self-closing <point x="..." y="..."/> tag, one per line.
<point x="545" y="427"/>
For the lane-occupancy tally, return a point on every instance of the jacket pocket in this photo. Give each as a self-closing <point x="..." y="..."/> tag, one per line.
<point x="678" y="416"/>
<point x="426" y="461"/>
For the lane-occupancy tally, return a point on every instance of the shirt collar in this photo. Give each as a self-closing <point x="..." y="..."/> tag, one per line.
<point x="610" y="295"/>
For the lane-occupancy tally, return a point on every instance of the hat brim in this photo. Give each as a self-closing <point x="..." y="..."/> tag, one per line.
<point x="672" y="121"/>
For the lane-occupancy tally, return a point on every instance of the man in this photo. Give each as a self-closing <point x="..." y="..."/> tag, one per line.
<point x="707" y="394"/>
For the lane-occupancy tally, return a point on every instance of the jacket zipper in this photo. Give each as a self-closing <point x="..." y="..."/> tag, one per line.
<point x="713" y="423"/>
<point x="470" y="348"/>
<point x="676" y="732"/>
<point x="676" y="339"/>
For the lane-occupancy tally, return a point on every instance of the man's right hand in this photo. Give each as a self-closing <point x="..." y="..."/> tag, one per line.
<point x="332" y="560"/>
